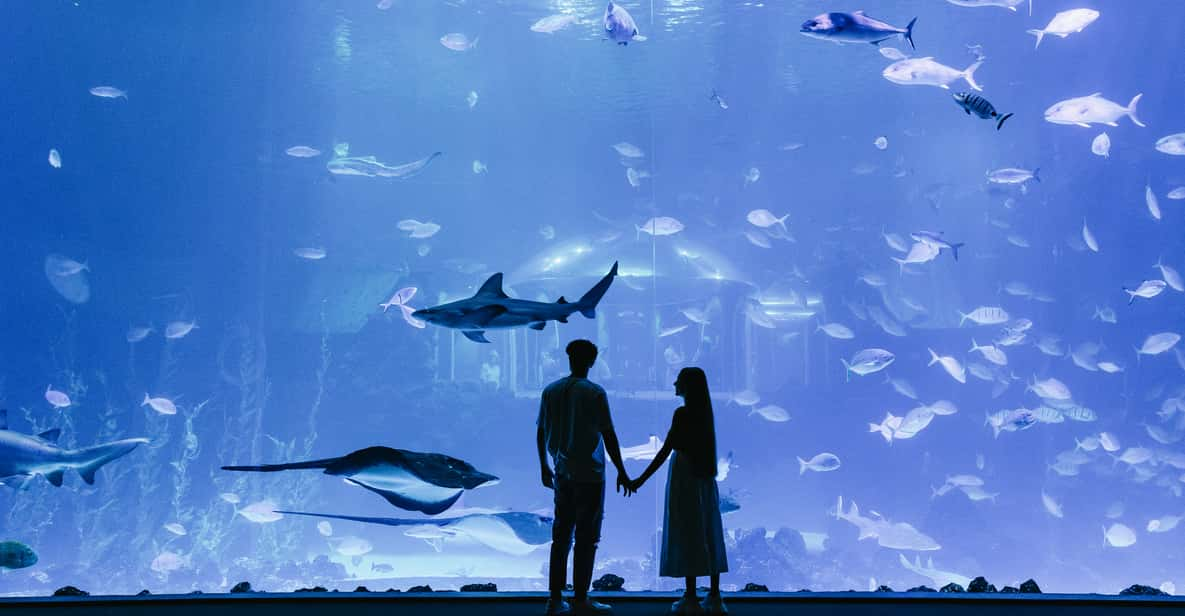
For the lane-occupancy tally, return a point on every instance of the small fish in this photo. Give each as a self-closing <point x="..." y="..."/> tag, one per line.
<point x="974" y="103"/>
<point x="1173" y="145"/>
<point x="950" y="364"/>
<point x="990" y="353"/>
<point x="837" y="331"/>
<point x="164" y="406"/>
<point x="1101" y="146"/>
<point x="854" y="27"/>
<point x="634" y="177"/>
<point x="457" y="41"/>
<point x="881" y="142"/>
<point x="471" y="99"/>
<point x="715" y="98"/>
<point x="1158" y="343"/>
<point x="1170" y="275"/>
<point x="752" y="175"/>
<point x="892" y="53"/>
<point x="936" y="240"/>
<point x="628" y="150"/>
<point x="1065" y="23"/>
<point x="671" y="331"/>
<point x="176" y="529"/>
<point x="1006" y="4"/>
<point x="324" y="528"/>
<point x="1177" y="193"/>
<point x="867" y="362"/>
<point x="1050" y="389"/>
<point x="659" y="226"/>
<point x="619" y="25"/>
<point x="1013" y="175"/>
<point x="68" y="267"/>
<point x="179" y="329"/>
<point x="985" y="315"/>
<point x="1052" y="507"/>
<point x="927" y="72"/>
<point x="821" y="463"/>
<point x="312" y="253"/>
<point x="757" y="239"/>
<point x="108" y="92"/>
<point x="1147" y="290"/>
<point x="302" y="151"/>
<point x="764" y="218"/>
<point x="1093" y="109"/>
<point x="56" y="399"/>
<point x="1089" y="238"/>
<point x="230" y="497"/>
<point x="479" y="167"/>
<point x="418" y="230"/>
<point x="137" y="333"/>
<point x="772" y="413"/>
<point x="547" y="232"/>
<point x="746" y="397"/>
<point x="553" y="23"/>
<point x="55" y="159"/>
<point x="261" y="512"/>
<point x="1118" y="536"/>
<point x="1152" y="203"/>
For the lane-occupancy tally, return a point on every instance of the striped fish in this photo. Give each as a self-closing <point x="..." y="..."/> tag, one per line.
<point x="974" y="103"/>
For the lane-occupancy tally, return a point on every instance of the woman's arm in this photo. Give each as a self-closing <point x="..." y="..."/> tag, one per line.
<point x="655" y="464"/>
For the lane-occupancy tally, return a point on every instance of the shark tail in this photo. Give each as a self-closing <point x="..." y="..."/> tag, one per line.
<point x="587" y="304"/>
<point x="89" y="459"/>
<point x="271" y="468"/>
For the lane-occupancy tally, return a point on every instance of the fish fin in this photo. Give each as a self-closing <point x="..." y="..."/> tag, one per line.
<point x="1131" y="109"/>
<point x="909" y="32"/>
<point x="847" y="370"/>
<point x="801" y="466"/>
<point x="492" y="287"/>
<point x="969" y="75"/>
<point x="538" y="325"/>
<point x="967" y="110"/>
<point x="55" y="477"/>
<point x="954" y="248"/>
<point x="561" y="300"/>
<point x="1040" y="34"/>
<point x="1037" y="174"/>
<point x="933" y="357"/>
<point x="476" y="335"/>
<point x="588" y="302"/>
<point x="50" y="435"/>
<point x="1082" y="124"/>
<point x="1000" y="122"/>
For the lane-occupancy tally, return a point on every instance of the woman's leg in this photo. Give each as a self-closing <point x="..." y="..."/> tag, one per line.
<point x="715" y="584"/>
<point x="690" y="592"/>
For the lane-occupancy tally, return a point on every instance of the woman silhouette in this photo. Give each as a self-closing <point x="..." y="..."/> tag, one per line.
<point x="693" y="536"/>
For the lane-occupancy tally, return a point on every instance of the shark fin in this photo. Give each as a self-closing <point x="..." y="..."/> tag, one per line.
<point x="538" y="325"/>
<point x="492" y="287"/>
<point x="588" y="302"/>
<point x="562" y="319"/>
<point x="50" y="435"/>
<point x="55" y="477"/>
<point x="3" y="419"/>
<point x="482" y="316"/>
<point x="476" y="335"/>
<point x="561" y="300"/>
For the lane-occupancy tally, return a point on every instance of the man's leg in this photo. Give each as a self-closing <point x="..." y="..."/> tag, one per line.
<point x="561" y="537"/>
<point x="590" y="513"/>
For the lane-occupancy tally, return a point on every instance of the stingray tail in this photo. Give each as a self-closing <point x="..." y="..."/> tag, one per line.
<point x="287" y="466"/>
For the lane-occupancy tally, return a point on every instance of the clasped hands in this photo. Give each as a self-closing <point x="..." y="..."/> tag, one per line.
<point x="628" y="487"/>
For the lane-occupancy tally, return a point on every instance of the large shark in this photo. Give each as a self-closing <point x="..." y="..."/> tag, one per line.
<point x="512" y="532"/>
<point x="369" y="166"/>
<point x="939" y="577"/>
<point x="426" y="482"/>
<point x="893" y="535"/>
<point x="491" y="308"/>
<point x="22" y="456"/>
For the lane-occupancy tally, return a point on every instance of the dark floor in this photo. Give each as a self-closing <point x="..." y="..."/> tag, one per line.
<point x="625" y="604"/>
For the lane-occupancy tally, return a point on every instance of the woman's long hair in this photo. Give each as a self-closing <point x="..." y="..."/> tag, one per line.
<point x="701" y="425"/>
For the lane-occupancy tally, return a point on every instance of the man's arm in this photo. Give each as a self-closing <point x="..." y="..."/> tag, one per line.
<point x="613" y="446"/>
<point x="545" y="473"/>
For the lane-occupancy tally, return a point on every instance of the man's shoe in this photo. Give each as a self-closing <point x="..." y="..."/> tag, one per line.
<point x="688" y="605"/>
<point x="713" y="605"/>
<point x="557" y="608"/>
<point x="588" y="606"/>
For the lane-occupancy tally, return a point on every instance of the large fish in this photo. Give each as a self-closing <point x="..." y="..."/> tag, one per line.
<point x="512" y="532"/>
<point x="927" y="72"/>
<point x="1092" y="109"/>
<point x="492" y="308"/>
<point x="854" y="27"/>
<point x="369" y="166"/>
<point x="620" y="26"/>
<point x="426" y="482"/>
<point x="24" y="455"/>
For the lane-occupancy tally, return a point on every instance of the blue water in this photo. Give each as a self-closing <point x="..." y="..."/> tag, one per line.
<point x="185" y="207"/>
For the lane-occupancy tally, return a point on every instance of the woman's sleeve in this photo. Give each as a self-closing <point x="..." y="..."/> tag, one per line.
<point x="675" y="435"/>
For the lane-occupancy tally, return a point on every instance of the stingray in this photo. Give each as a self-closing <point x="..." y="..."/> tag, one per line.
<point x="512" y="532"/>
<point x="426" y="482"/>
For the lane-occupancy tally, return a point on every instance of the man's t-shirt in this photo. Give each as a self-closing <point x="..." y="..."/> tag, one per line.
<point x="572" y="413"/>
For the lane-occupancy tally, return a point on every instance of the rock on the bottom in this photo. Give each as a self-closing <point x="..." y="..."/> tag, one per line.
<point x="70" y="591"/>
<point x="980" y="584"/>
<point x="1009" y="590"/>
<point x="313" y="589"/>
<point x="751" y="587"/>
<point x="609" y="583"/>
<point x="921" y="589"/>
<point x="1030" y="586"/>
<point x="952" y="587"/>
<point x="143" y="593"/>
<point x="489" y="587"/>
<point x="362" y="589"/>
<point x="424" y="588"/>
<point x="241" y="587"/>
<point x="1140" y="589"/>
<point x="883" y="588"/>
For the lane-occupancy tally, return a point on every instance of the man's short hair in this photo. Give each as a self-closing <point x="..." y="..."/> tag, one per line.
<point x="582" y="352"/>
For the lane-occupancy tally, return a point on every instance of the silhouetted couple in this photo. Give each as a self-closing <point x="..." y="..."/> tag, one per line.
<point x="575" y="428"/>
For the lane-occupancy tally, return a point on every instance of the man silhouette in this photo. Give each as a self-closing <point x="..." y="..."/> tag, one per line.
<point x="575" y="429"/>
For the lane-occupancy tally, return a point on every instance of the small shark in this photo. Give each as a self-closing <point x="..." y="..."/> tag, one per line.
<point x="939" y="577"/>
<point x="426" y="482"/>
<point x="24" y="455"/>
<point x="512" y="532"/>
<point x="491" y="308"/>
<point x="369" y="166"/>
